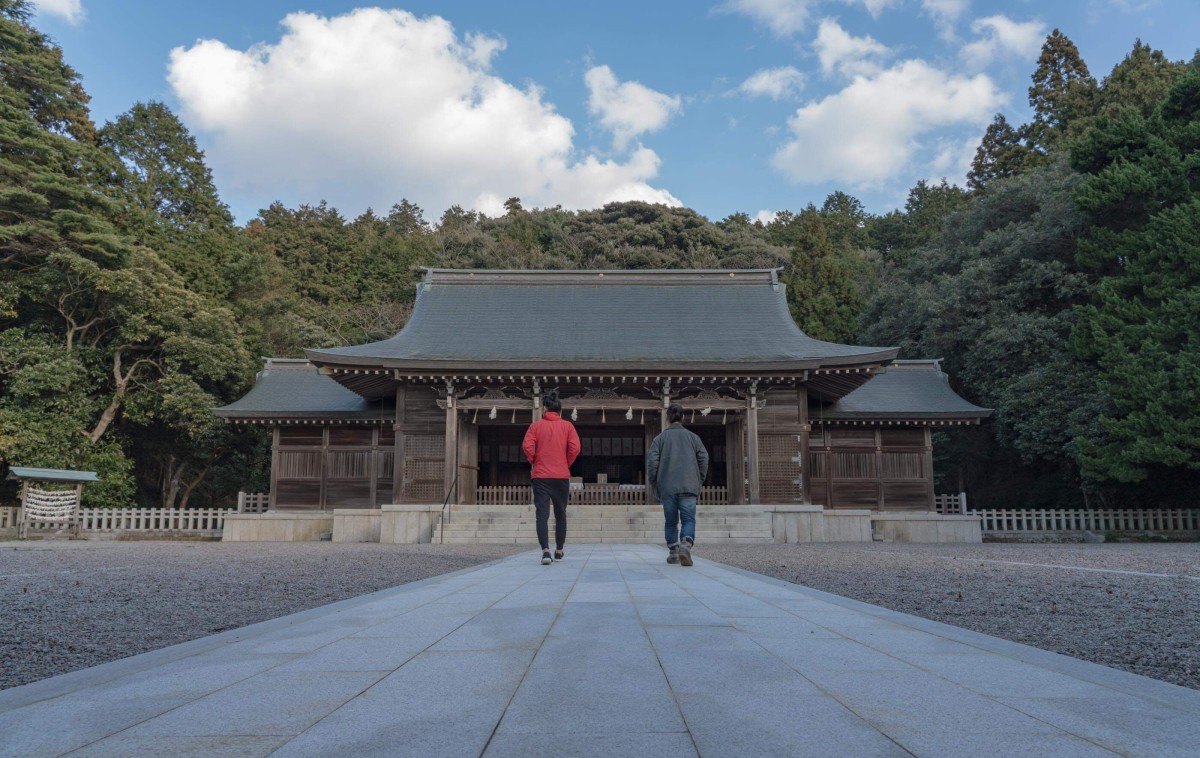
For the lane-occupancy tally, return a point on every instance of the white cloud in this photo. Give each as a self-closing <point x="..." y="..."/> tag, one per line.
<point x="839" y="51"/>
<point x="374" y="105"/>
<point x="874" y="7"/>
<point x="952" y="159"/>
<point x="765" y="217"/>
<point x="69" y="10"/>
<point x="775" y="83"/>
<point x="871" y="131"/>
<point x="945" y="14"/>
<point x="783" y="17"/>
<point x="627" y="109"/>
<point x="1000" y="35"/>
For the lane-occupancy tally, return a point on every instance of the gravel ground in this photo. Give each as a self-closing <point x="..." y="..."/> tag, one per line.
<point x="70" y="605"/>
<point x="1136" y="607"/>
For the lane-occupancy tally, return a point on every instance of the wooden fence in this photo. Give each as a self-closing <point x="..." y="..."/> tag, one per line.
<point x="1099" y="521"/>
<point x="591" y="495"/>
<point x="133" y="519"/>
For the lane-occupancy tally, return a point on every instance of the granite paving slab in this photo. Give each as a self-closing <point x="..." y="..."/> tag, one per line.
<point x="611" y="652"/>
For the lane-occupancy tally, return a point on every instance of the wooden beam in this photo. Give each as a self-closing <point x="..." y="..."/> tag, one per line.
<point x="398" y="448"/>
<point x="752" y="446"/>
<point x="451" y="462"/>
<point x="735" y="460"/>
<point x="805" y="456"/>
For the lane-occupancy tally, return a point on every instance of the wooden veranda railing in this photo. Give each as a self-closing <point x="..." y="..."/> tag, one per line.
<point x="613" y="494"/>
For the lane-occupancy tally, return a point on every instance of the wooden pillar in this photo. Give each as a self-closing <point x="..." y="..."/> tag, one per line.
<point x="468" y="462"/>
<point x="273" y="493"/>
<point x="735" y="461"/>
<point x="398" y="448"/>
<point x="451" y="475"/>
<point x="805" y="456"/>
<point x="752" y="446"/>
<point x="650" y="433"/>
<point x="881" y="496"/>
<point x="666" y="400"/>
<point x="322" y="505"/>
<point x="537" y="401"/>
<point x="929" y="470"/>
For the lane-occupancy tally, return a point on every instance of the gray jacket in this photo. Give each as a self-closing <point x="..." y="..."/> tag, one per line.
<point x="677" y="462"/>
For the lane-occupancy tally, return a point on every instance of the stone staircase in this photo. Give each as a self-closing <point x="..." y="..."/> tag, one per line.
<point x="600" y="523"/>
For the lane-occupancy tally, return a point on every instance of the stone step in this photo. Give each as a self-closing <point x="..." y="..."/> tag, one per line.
<point x="572" y="539"/>
<point x="608" y="535"/>
<point x="647" y="507"/>
<point x="576" y="521"/>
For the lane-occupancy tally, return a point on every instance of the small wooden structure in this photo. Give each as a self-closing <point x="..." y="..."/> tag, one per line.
<point x="60" y="506"/>
<point x="437" y="412"/>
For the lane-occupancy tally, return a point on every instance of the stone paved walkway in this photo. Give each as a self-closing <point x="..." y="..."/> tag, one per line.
<point x="609" y="653"/>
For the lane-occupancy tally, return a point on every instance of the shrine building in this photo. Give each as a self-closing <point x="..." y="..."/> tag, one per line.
<point x="433" y="417"/>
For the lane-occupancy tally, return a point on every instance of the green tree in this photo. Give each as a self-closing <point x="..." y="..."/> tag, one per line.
<point x="1062" y="95"/>
<point x="1140" y="81"/>
<point x="1142" y="330"/>
<point x="821" y="291"/>
<point x="94" y="325"/>
<point x="993" y="294"/>
<point x="1001" y="153"/>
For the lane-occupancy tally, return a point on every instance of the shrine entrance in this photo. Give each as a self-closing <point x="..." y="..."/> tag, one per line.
<point x="611" y="467"/>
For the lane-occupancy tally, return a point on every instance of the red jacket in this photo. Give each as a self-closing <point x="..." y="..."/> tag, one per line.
<point x="551" y="445"/>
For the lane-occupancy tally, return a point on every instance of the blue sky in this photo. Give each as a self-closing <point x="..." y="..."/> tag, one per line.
<point x="723" y="106"/>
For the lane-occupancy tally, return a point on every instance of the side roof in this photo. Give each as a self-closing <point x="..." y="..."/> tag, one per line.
<point x="529" y="321"/>
<point x="294" y="388"/>
<point x="911" y="389"/>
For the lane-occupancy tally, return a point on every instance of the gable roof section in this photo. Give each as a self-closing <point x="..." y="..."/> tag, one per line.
<point x="295" y="389"/>
<point x="913" y="389"/>
<point x="719" y="320"/>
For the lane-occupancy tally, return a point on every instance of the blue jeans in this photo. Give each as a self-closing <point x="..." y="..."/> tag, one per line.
<point x="677" y="510"/>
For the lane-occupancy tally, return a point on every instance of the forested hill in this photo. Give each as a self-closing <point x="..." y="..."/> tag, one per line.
<point x="1062" y="286"/>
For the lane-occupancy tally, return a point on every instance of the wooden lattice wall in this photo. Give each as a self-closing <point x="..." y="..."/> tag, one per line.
<point x="320" y="467"/>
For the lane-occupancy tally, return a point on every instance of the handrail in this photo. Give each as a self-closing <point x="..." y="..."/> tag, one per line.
<point x="445" y="518"/>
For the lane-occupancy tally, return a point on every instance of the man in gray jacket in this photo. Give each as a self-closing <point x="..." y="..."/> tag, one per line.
<point x="675" y="468"/>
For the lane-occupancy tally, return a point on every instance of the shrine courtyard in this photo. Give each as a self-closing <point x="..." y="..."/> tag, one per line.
<point x="610" y="652"/>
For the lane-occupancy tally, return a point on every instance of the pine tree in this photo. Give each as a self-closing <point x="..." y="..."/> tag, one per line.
<point x="1143" y="329"/>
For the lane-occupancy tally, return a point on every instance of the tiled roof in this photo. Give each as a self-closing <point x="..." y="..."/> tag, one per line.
<point x="562" y="320"/>
<point x="905" y="389"/>
<point x="295" y="388"/>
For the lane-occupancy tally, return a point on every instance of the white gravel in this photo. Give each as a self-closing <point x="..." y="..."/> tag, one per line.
<point x="1130" y="606"/>
<point x="69" y="605"/>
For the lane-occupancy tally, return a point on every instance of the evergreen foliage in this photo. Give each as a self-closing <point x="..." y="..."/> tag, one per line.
<point x="1142" y="329"/>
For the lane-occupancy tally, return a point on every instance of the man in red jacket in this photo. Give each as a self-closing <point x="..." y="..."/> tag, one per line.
<point x="551" y="445"/>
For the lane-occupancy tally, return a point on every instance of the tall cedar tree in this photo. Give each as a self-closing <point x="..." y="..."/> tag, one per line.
<point x="1063" y="93"/>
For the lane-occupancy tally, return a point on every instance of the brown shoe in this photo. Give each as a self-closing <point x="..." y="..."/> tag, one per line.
<point x="685" y="555"/>
<point x="673" y="556"/>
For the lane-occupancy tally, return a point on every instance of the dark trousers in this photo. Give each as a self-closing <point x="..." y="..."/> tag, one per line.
<point x="545" y="492"/>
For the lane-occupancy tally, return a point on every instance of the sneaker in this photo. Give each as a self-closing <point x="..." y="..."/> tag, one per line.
<point x="673" y="556"/>
<point x="546" y="559"/>
<point x="559" y="555"/>
<point x="685" y="555"/>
